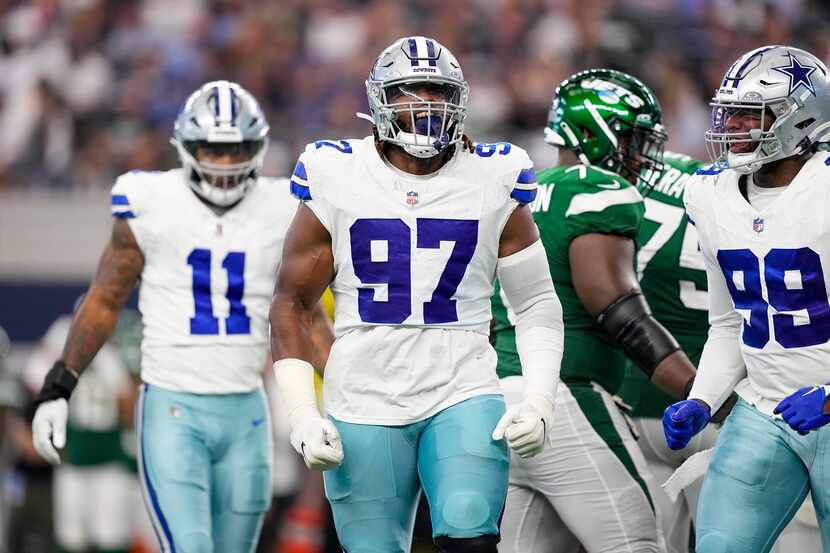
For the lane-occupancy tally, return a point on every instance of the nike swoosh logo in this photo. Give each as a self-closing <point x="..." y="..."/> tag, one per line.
<point x="258" y="421"/>
<point x="610" y="186"/>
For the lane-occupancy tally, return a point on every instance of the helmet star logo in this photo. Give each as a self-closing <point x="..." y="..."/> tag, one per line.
<point x="798" y="75"/>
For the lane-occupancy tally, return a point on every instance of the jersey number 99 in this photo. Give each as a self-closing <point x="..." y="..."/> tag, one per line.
<point x="794" y="287"/>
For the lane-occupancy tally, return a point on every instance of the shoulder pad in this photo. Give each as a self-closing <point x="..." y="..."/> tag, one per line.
<point x="591" y="176"/>
<point x="512" y="164"/>
<point x="127" y="194"/>
<point x="321" y="156"/>
<point x="334" y="150"/>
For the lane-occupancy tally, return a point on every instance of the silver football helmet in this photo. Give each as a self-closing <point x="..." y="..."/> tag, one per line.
<point x="402" y="88"/>
<point x="786" y="85"/>
<point x="221" y="119"/>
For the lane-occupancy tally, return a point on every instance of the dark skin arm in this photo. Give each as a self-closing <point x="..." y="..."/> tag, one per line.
<point x="118" y="271"/>
<point x="307" y="268"/>
<point x="322" y="337"/>
<point x="602" y="270"/>
<point x="518" y="233"/>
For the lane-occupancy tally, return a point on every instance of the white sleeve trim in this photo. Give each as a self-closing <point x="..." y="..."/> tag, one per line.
<point x="598" y="201"/>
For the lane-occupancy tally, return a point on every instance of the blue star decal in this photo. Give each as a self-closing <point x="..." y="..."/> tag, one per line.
<point x="798" y="75"/>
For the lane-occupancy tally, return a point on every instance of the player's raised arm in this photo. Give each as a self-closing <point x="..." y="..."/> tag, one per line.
<point x="118" y="271"/>
<point x="307" y="268"/>
<point x="602" y="269"/>
<point x="525" y="278"/>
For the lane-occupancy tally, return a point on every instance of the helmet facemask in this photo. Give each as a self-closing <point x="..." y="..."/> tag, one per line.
<point x="424" y="117"/>
<point x="639" y="154"/>
<point x="746" y="150"/>
<point x="221" y="136"/>
<point x="222" y="184"/>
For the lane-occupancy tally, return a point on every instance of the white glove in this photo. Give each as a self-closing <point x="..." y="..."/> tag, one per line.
<point x="315" y="438"/>
<point x="49" y="429"/>
<point x="525" y="425"/>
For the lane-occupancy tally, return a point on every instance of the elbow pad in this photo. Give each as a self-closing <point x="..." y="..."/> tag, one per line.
<point x="631" y="327"/>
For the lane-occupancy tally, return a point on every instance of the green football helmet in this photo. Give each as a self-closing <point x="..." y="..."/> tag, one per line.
<point x="611" y="120"/>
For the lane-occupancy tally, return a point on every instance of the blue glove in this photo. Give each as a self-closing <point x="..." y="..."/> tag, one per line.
<point x="682" y="420"/>
<point x="804" y="409"/>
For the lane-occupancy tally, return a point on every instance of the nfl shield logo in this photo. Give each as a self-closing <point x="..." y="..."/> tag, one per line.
<point x="758" y="224"/>
<point x="412" y="197"/>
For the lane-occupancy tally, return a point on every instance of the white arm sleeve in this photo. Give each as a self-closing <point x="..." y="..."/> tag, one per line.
<point x="295" y="382"/>
<point x="721" y="365"/>
<point x="525" y="279"/>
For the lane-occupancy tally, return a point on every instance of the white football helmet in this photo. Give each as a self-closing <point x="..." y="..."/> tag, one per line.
<point x="782" y="82"/>
<point x="221" y="118"/>
<point x="422" y="127"/>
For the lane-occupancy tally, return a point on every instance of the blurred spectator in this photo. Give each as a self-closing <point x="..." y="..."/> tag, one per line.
<point x="92" y="86"/>
<point x="10" y="398"/>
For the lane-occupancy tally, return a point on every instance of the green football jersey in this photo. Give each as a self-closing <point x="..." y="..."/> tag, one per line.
<point x="572" y="201"/>
<point x="672" y="277"/>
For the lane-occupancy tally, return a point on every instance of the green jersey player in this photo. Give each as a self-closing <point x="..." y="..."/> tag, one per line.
<point x="591" y="485"/>
<point x="672" y="277"/>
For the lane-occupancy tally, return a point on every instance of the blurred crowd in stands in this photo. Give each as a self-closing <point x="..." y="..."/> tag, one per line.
<point x="90" y="88"/>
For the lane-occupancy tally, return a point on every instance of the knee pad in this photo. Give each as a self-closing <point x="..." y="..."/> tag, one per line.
<point x="479" y="544"/>
<point x="713" y="542"/>
<point x="469" y="512"/>
<point x="193" y="542"/>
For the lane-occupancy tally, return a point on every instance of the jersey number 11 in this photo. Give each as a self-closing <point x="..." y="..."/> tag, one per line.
<point x="203" y="321"/>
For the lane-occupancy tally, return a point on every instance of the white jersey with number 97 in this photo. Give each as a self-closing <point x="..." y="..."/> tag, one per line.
<point x="207" y="281"/>
<point x="415" y="258"/>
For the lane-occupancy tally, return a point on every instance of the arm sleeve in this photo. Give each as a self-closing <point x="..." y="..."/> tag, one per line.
<point x="721" y="364"/>
<point x="525" y="278"/>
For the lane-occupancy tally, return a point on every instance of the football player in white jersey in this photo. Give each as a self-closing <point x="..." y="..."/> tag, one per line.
<point x="761" y="213"/>
<point x="410" y="227"/>
<point x="205" y="240"/>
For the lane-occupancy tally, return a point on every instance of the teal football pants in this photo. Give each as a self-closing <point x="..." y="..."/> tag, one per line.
<point x="205" y="467"/>
<point x="759" y="475"/>
<point x="451" y="455"/>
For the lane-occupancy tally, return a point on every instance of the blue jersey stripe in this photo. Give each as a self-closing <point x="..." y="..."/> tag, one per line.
<point x="523" y="196"/>
<point x="691" y="220"/>
<point x="300" y="191"/>
<point x="120" y="199"/>
<point x="527" y="176"/>
<point x="123" y="214"/>
<point x="299" y="170"/>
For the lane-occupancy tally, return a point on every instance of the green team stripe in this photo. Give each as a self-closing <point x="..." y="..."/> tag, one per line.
<point x="598" y="201"/>
<point x="593" y="407"/>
